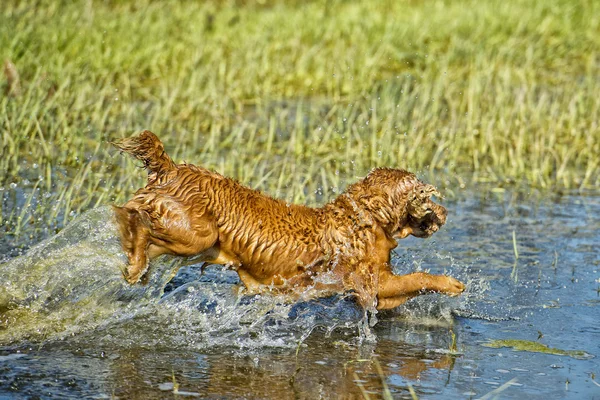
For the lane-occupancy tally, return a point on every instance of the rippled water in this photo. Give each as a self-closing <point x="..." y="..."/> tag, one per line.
<point x="71" y="328"/>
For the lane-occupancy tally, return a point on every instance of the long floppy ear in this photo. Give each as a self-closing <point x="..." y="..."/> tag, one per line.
<point x="379" y="204"/>
<point x="418" y="200"/>
<point x="375" y="201"/>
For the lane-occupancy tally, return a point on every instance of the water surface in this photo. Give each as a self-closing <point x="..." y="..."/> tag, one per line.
<point x="76" y="331"/>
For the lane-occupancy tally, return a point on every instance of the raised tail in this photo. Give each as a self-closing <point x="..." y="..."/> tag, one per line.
<point x="147" y="148"/>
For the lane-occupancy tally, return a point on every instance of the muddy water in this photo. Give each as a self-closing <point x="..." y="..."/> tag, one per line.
<point x="70" y="328"/>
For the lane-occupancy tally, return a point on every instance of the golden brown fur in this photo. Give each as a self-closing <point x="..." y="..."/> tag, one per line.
<point x="190" y="211"/>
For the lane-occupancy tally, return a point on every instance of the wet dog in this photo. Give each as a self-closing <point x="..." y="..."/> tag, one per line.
<point x="345" y="245"/>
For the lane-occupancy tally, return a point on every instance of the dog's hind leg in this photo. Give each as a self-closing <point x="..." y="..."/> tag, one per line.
<point x="134" y="239"/>
<point x="179" y="232"/>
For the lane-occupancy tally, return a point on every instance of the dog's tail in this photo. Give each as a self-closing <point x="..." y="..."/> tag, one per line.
<point x="147" y="148"/>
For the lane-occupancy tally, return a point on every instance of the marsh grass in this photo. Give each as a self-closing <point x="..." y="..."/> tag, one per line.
<point x="536" y="347"/>
<point x="294" y="98"/>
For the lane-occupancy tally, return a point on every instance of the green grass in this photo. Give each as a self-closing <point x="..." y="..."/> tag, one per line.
<point x="295" y="98"/>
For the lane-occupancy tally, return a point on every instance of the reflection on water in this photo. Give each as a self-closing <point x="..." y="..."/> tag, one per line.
<point x="102" y="338"/>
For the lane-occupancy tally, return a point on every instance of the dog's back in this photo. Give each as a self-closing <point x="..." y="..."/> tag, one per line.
<point x="186" y="209"/>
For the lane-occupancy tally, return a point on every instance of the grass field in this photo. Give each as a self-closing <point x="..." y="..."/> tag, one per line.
<point x="295" y="98"/>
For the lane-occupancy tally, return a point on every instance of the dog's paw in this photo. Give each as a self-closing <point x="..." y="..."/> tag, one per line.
<point x="452" y="287"/>
<point x="132" y="279"/>
<point x="135" y="274"/>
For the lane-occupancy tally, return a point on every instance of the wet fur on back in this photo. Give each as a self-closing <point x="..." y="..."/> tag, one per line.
<point x="344" y="245"/>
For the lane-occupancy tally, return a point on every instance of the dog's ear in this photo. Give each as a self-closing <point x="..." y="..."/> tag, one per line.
<point x="375" y="201"/>
<point x="377" y="205"/>
<point x="419" y="199"/>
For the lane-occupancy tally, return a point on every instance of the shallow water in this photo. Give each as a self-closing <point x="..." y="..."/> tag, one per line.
<point x="67" y="333"/>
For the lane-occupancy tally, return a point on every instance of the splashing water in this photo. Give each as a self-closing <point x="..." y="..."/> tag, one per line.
<point x="72" y="281"/>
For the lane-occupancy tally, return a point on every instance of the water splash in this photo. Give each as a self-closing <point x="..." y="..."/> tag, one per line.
<point x="72" y="282"/>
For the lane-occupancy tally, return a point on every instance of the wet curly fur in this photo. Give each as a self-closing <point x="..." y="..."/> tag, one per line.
<point x="190" y="211"/>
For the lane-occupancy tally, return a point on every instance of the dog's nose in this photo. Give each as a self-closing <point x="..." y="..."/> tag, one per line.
<point x="441" y="213"/>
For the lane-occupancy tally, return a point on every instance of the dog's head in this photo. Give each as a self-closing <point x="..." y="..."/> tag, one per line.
<point x="424" y="217"/>
<point x="399" y="202"/>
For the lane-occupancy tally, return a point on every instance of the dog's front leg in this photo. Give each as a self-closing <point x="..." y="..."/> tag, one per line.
<point x="395" y="290"/>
